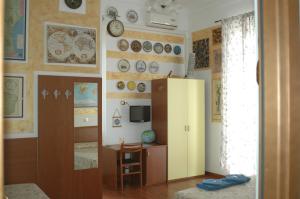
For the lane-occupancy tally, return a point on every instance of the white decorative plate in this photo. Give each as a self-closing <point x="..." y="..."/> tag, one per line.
<point x="132" y="16"/>
<point x="124" y="65"/>
<point x="153" y="67"/>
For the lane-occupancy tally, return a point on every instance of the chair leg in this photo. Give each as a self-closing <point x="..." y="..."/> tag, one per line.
<point x="141" y="180"/>
<point x="122" y="185"/>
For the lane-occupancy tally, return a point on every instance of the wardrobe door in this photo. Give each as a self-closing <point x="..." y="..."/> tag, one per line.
<point x="196" y="127"/>
<point x="55" y="134"/>
<point x="177" y="136"/>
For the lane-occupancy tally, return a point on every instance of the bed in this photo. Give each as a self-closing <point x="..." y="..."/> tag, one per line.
<point x="86" y="155"/>
<point x="24" y="191"/>
<point x="245" y="191"/>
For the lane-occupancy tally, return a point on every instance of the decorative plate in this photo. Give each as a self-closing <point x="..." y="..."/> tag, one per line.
<point x="112" y="12"/>
<point x="136" y="46"/>
<point x="124" y="65"/>
<point x="131" y="85"/>
<point x="147" y="46"/>
<point x="158" y="48"/>
<point x="120" y="85"/>
<point x="123" y="44"/>
<point x="168" y="48"/>
<point x="140" y="66"/>
<point x="177" y="50"/>
<point x="115" y="28"/>
<point x="153" y="67"/>
<point x="141" y="87"/>
<point x="73" y="4"/>
<point x="132" y="16"/>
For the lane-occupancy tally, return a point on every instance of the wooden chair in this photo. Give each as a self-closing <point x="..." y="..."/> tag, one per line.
<point x="134" y="164"/>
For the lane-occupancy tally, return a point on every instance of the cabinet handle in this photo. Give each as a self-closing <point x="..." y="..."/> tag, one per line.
<point x="188" y="127"/>
<point x="148" y="153"/>
<point x="185" y="128"/>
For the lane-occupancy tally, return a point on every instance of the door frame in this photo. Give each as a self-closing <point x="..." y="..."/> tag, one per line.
<point x="279" y="37"/>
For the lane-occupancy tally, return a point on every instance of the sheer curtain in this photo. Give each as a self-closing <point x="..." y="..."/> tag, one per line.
<point x="240" y="95"/>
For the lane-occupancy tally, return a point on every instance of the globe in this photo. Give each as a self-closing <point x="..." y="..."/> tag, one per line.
<point x="148" y="136"/>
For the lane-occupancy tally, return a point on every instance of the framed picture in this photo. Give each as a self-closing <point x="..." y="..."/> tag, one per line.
<point x="85" y="94"/>
<point x="13" y="96"/>
<point x="217" y="36"/>
<point x="70" y="45"/>
<point x="217" y="57"/>
<point x="201" y="50"/>
<point x="15" y="30"/>
<point x="216" y="98"/>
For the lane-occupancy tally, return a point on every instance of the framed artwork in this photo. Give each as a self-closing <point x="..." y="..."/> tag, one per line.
<point x="217" y="57"/>
<point x="15" y="30"/>
<point x="13" y="96"/>
<point x="116" y="119"/>
<point x="70" y="45"/>
<point x="216" y="98"/>
<point x="85" y="94"/>
<point x="217" y="36"/>
<point x="201" y="50"/>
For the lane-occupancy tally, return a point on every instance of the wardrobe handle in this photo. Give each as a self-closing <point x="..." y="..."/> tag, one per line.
<point x="185" y="128"/>
<point x="188" y="128"/>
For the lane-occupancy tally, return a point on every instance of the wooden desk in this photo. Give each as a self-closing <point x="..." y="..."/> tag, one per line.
<point x="154" y="165"/>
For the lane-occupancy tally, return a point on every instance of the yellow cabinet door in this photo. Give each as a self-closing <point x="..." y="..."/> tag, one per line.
<point x="196" y="127"/>
<point x="177" y="137"/>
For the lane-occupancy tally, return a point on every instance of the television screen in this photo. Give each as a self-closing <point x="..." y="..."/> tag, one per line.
<point x="139" y="113"/>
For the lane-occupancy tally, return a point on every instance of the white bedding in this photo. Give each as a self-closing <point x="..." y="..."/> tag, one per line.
<point x="24" y="191"/>
<point x="245" y="191"/>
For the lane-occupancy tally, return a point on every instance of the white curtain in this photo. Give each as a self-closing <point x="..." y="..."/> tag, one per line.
<point x="240" y="95"/>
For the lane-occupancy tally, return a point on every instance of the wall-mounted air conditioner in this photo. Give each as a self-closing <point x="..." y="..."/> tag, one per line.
<point x="163" y="21"/>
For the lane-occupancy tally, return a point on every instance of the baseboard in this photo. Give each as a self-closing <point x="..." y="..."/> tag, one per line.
<point x="207" y="174"/>
<point x="214" y="175"/>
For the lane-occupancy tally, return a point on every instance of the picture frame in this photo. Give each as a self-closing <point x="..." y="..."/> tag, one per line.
<point x="13" y="96"/>
<point x="15" y="36"/>
<point x="79" y="47"/>
<point x="216" y="89"/>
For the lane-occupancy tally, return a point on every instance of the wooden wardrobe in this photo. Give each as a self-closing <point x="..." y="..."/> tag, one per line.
<point x="56" y="175"/>
<point x="178" y="118"/>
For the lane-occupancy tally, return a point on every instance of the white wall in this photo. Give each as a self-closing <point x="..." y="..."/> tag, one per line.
<point x="130" y="132"/>
<point x="201" y="17"/>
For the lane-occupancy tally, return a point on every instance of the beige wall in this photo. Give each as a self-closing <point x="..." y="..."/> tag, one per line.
<point x="39" y="13"/>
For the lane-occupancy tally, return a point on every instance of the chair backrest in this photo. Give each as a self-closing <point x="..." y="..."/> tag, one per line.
<point x="131" y="148"/>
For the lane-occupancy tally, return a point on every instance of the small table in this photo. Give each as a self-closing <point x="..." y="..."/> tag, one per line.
<point x="24" y="191"/>
<point x="154" y="165"/>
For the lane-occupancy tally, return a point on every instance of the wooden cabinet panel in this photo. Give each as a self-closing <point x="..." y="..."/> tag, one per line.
<point x="20" y="160"/>
<point x="156" y="165"/>
<point x="196" y="127"/>
<point x="56" y="175"/>
<point x="159" y="95"/>
<point x="177" y="137"/>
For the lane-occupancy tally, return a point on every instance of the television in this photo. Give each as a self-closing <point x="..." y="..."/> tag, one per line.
<point x="139" y="113"/>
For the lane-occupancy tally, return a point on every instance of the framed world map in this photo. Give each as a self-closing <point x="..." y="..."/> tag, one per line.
<point x="15" y="30"/>
<point x="70" y="45"/>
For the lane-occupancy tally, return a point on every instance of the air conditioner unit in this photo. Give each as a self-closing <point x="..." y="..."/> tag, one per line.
<point x="163" y="21"/>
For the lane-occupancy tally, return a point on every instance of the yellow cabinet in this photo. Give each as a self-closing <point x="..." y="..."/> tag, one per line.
<point x="178" y="111"/>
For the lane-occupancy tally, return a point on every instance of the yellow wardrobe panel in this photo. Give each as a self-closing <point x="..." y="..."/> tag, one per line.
<point x="177" y="138"/>
<point x="196" y="127"/>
